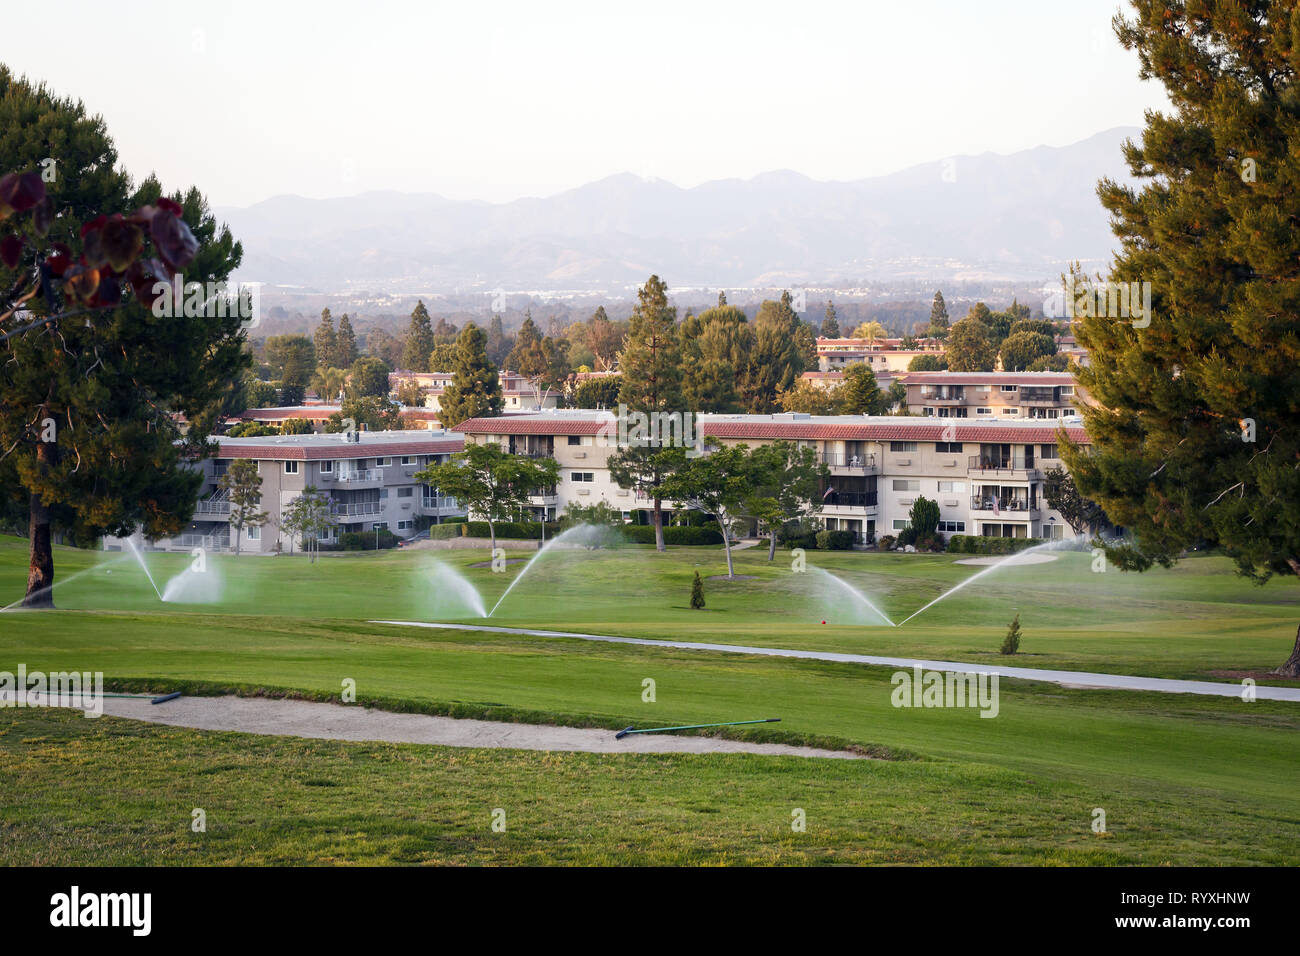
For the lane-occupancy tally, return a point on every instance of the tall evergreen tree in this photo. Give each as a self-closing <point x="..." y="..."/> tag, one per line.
<point x="498" y="343"/>
<point x="419" y="340"/>
<point x="1194" y="422"/>
<point x="326" y="341"/>
<point x="604" y="338"/>
<point x="970" y="347"/>
<point x="345" y="347"/>
<point x="650" y="366"/>
<point x="475" y="389"/>
<point x="88" y="439"/>
<point x="527" y="349"/>
<point x="831" y="322"/>
<point x="715" y="353"/>
<point x="938" y="327"/>
<point x="776" y="360"/>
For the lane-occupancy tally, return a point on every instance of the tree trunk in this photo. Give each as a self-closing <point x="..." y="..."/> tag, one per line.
<point x="40" y="573"/>
<point x="659" y="526"/>
<point x="1292" y="666"/>
<point x="726" y="544"/>
<point x="492" y="533"/>
<point x="771" y="547"/>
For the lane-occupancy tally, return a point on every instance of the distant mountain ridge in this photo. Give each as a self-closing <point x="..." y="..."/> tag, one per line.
<point x="1020" y="215"/>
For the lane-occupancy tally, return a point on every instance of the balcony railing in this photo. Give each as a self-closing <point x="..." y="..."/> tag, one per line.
<point x="838" y="460"/>
<point x="1037" y="395"/>
<point x="986" y="502"/>
<point x="209" y="542"/>
<point x="850" y="499"/>
<point x="1001" y="463"/>
<point x="212" y="506"/>
<point x="439" y="504"/>
<point x="363" y="474"/>
<point x="351" y="508"/>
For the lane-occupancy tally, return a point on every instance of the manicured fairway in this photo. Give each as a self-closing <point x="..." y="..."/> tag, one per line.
<point x="1181" y="779"/>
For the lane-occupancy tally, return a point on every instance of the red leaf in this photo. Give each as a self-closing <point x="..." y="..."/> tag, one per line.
<point x="171" y="205"/>
<point x="43" y="217"/>
<point x="96" y="223"/>
<point x="176" y="244"/>
<point x="82" y="282"/>
<point x="21" y="191"/>
<point x="11" y="250"/>
<point x="59" y="259"/>
<point x="121" y="242"/>
<point x="109" y="292"/>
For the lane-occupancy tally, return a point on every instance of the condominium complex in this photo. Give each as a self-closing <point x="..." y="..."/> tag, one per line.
<point x="991" y="395"/>
<point x="987" y="476"/>
<point x="318" y="415"/>
<point x="368" y="477"/>
<point x="518" y="393"/>
<point x="879" y="354"/>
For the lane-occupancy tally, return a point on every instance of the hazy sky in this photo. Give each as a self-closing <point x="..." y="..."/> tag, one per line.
<point x="500" y="100"/>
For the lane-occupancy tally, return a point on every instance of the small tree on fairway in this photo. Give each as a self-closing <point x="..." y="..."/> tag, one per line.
<point x="491" y="483"/>
<point x="308" y="515"/>
<point x="243" y="486"/>
<point x="716" y="484"/>
<point x="697" y="592"/>
<point x="785" y="482"/>
<point x="1011" y="643"/>
<point x="923" y="521"/>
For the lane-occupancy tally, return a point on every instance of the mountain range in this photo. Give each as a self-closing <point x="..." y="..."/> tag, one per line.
<point x="1020" y="216"/>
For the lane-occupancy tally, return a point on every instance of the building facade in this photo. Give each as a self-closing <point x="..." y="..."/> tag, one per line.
<point x="987" y="477"/>
<point x="991" y="396"/>
<point x="368" y="478"/>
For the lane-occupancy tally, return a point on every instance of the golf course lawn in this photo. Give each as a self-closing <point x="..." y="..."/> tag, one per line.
<point x="1182" y="779"/>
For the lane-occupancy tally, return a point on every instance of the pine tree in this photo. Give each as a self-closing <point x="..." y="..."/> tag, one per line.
<point x="1011" y="643"/>
<point x="776" y="360"/>
<point x="1194" y="423"/>
<point x="650" y="364"/>
<point x="715" y="353"/>
<point x="970" y="347"/>
<point x="697" y="592"/>
<point x="345" y="346"/>
<point x="326" y="341"/>
<point x="419" y="340"/>
<point x="859" y="393"/>
<point x="475" y="389"/>
<point x="243" y="486"/>
<point x="938" y="327"/>
<point x="498" y="343"/>
<point x="831" y="323"/>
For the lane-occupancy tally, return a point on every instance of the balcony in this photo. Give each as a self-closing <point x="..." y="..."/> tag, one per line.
<point x="1002" y="464"/>
<point x="1005" y="504"/>
<point x="953" y="395"/>
<point x="208" y="542"/>
<point x="1038" y="396"/>
<point x="859" y="463"/>
<point x="213" y="506"/>
<point x="443" y="505"/>
<point x="850" y="499"/>
<point x="357" y="508"/>
<point x="357" y="478"/>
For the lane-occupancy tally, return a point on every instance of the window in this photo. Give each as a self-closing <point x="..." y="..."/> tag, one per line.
<point x="983" y="388"/>
<point x="1010" y="388"/>
<point x="952" y="487"/>
<point x="381" y="462"/>
<point x="405" y="525"/>
<point x="1009" y="411"/>
<point x="1067" y="389"/>
<point x="983" y="411"/>
<point x="582" y="476"/>
<point x="254" y="532"/>
<point x="405" y="492"/>
<point x="928" y="411"/>
<point x="952" y="526"/>
<point x="408" y="459"/>
<point x="575" y="439"/>
<point x="291" y="468"/>
<point x="1049" y="451"/>
<point x="948" y="447"/>
<point x="900" y="524"/>
<point x="906" y="484"/>
<point x="903" y="446"/>
<point x="383" y="494"/>
<point x="326" y="467"/>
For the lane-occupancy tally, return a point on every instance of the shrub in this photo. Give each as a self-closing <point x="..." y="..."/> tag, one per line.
<point x="697" y="592"/>
<point x="957" y="544"/>
<point x="441" y="532"/>
<point x="513" y="529"/>
<point x="887" y="542"/>
<point x="645" y="534"/>
<point x="834" y="540"/>
<point x="367" y="540"/>
<point x="1011" y="643"/>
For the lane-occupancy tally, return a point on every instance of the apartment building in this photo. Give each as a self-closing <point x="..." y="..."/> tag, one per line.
<point x="367" y="476"/>
<point x="991" y="396"/>
<point x="318" y="416"/>
<point x="882" y="355"/>
<point x="518" y="393"/>
<point x="987" y="477"/>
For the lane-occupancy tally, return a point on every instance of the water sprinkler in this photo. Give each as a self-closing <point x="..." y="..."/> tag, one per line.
<point x="730" y="723"/>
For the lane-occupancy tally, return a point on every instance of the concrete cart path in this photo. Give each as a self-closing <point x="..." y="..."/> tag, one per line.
<point x="1075" y="679"/>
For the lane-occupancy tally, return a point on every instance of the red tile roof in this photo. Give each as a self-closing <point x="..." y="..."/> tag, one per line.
<point x="519" y="425"/>
<point x="233" y="448"/>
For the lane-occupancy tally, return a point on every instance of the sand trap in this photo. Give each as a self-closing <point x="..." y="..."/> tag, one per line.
<point x="1016" y="559"/>
<point x="300" y="718"/>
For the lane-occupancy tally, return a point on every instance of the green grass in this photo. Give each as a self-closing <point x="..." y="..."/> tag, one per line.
<point x="1183" y="779"/>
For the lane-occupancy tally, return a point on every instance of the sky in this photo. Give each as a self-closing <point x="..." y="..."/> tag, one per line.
<point x="495" y="101"/>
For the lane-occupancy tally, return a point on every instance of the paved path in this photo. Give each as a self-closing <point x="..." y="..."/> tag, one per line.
<point x="301" y="718"/>
<point x="1080" y="679"/>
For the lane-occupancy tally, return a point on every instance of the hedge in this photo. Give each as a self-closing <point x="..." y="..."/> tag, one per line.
<point x="834" y="540"/>
<point x="367" y="540"/>
<point x="645" y="534"/>
<point x="440" y="532"/>
<point x="512" y="529"/>
<point x="979" y="544"/>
